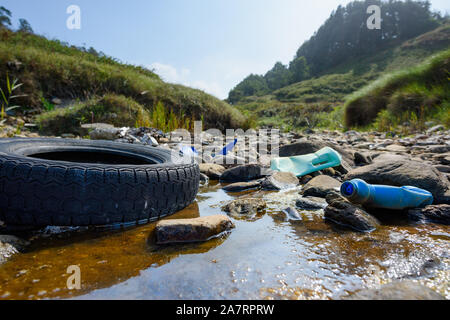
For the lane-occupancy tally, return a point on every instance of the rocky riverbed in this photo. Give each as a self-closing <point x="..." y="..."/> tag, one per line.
<point x="278" y="236"/>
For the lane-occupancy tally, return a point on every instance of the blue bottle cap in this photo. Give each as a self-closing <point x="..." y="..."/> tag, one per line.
<point x="347" y="189"/>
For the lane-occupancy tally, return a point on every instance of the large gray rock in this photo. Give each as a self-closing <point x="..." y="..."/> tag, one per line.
<point x="320" y="186"/>
<point x="280" y="181"/>
<point x="404" y="173"/>
<point x="192" y="230"/>
<point x="242" y="186"/>
<point x="434" y="213"/>
<point x="11" y="245"/>
<point x="346" y="214"/>
<point x="212" y="170"/>
<point x="243" y="173"/>
<point x="400" y="290"/>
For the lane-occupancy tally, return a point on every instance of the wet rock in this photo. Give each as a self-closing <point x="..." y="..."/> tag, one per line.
<point x="292" y="214"/>
<point x="212" y="170"/>
<point x="280" y="181"/>
<point x="245" y="206"/>
<point x="434" y="213"/>
<point x="362" y="158"/>
<point x="404" y="173"/>
<point x="11" y="245"/>
<point x="346" y="214"/>
<point x="104" y="134"/>
<point x="242" y="186"/>
<point x="320" y="186"/>
<point x="311" y="203"/>
<point x="401" y="290"/>
<point x="243" y="173"/>
<point x="192" y="230"/>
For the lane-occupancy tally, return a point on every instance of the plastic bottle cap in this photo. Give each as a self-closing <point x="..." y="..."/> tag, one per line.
<point x="347" y="189"/>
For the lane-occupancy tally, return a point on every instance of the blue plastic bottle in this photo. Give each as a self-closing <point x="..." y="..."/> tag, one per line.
<point x="387" y="197"/>
<point x="308" y="163"/>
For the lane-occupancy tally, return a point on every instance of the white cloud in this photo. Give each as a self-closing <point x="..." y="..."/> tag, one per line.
<point x="183" y="76"/>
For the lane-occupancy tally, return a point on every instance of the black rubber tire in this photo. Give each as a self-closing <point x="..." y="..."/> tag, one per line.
<point x="38" y="192"/>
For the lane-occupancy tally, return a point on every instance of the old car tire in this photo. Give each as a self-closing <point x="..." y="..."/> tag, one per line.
<point x="64" y="182"/>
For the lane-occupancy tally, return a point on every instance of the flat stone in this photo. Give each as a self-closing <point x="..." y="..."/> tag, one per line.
<point x="212" y="170"/>
<point x="192" y="230"/>
<point x="434" y="213"/>
<point x="399" y="290"/>
<point x="104" y="134"/>
<point x="245" y="206"/>
<point x="241" y="186"/>
<point x="242" y="173"/>
<point x="311" y="203"/>
<point x="435" y="128"/>
<point x="320" y="186"/>
<point x="396" y="148"/>
<point x="280" y="181"/>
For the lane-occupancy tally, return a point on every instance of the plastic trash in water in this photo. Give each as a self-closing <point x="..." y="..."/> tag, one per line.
<point x="308" y="163"/>
<point x="191" y="151"/>
<point x="387" y="197"/>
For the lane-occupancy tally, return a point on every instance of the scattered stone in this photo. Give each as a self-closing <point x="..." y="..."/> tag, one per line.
<point x="292" y="214"/>
<point x="346" y="214"/>
<point x="104" y="134"/>
<point x="11" y="245"/>
<point x="396" y="148"/>
<point x="242" y="173"/>
<point x="68" y="136"/>
<point x="399" y="290"/>
<point x="311" y="203"/>
<point x="245" y="206"/>
<point x="149" y="140"/>
<point x="439" y="149"/>
<point x="242" y="186"/>
<point x="212" y="170"/>
<point x="280" y="181"/>
<point x="434" y="213"/>
<point x="192" y="230"/>
<point x="320" y="186"/>
<point x="435" y="128"/>
<point x="204" y="180"/>
<point x="404" y="173"/>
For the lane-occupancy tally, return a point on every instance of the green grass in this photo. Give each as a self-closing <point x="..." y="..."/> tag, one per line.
<point x="51" y="69"/>
<point x="412" y="93"/>
<point x="320" y="101"/>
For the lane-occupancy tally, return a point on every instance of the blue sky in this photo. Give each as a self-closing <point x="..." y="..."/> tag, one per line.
<point x="207" y="44"/>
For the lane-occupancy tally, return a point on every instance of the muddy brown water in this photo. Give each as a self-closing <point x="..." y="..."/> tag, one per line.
<point x="268" y="257"/>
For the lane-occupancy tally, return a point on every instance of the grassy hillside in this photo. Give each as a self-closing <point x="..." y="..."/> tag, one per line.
<point x="415" y="95"/>
<point x="49" y="68"/>
<point x="318" y="102"/>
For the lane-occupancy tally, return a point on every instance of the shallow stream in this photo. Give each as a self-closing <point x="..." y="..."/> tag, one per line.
<point x="268" y="257"/>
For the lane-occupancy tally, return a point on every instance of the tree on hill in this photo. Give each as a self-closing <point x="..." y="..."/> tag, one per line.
<point x="5" y="18"/>
<point x="298" y="69"/>
<point x="24" y="26"/>
<point x="345" y="35"/>
<point x="278" y="77"/>
<point x="253" y="85"/>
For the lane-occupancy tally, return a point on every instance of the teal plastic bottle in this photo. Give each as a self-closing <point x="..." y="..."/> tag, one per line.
<point x="387" y="197"/>
<point x="308" y="163"/>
